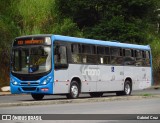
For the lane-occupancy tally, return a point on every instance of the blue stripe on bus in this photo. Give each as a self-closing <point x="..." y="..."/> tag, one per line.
<point x="100" y="42"/>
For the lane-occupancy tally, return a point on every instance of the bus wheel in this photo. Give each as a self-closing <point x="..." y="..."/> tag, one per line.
<point x="37" y="96"/>
<point x="74" y="90"/>
<point x="127" y="89"/>
<point x="96" y="94"/>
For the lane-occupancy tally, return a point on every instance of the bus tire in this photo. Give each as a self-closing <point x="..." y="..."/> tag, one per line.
<point x="74" y="90"/>
<point x="37" y="96"/>
<point x="96" y="94"/>
<point x="127" y="89"/>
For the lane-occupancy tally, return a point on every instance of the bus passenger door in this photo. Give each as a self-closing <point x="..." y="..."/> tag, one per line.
<point x="61" y="83"/>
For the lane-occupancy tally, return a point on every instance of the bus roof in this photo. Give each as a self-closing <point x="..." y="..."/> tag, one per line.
<point x="100" y="42"/>
<point x="91" y="41"/>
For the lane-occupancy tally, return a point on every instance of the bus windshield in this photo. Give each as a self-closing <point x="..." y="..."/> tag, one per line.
<point x="31" y="60"/>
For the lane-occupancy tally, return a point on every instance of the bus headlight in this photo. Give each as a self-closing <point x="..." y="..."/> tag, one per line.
<point x="47" y="80"/>
<point x="14" y="82"/>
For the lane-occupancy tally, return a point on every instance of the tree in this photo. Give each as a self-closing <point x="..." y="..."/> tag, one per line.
<point x="125" y="20"/>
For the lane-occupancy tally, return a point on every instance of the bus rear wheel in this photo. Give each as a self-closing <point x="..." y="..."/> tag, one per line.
<point x="127" y="89"/>
<point x="37" y="96"/>
<point x="96" y="94"/>
<point x="74" y="90"/>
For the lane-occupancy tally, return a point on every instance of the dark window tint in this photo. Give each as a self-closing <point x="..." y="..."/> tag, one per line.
<point x="116" y="56"/>
<point x="107" y="52"/>
<point x="104" y="59"/>
<point x="88" y="54"/>
<point x="93" y="49"/>
<point x="100" y="50"/>
<point x="75" y="48"/>
<point x="128" y="53"/>
<point x="128" y="57"/>
<point x="116" y="60"/>
<point x="115" y="51"/>
<point x="91" y="59"/>
<point x="147" y="55"/>
<point x="60" y="56"/>
<point x="147" y="58"/>
<point x="139" y="61"/>
<point x="86" y="49"/>
<point x="138" y="54"/>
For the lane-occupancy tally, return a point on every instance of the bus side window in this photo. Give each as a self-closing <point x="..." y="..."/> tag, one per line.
<point x="139" y="59"/>
<point x="100" y="50"/>
<point x="107" y="55"/>
<point x="76" y="50"/>
<point x="92" y="57"/>
<point x="128" y="57"/>
<point x="101" y="53"/>
<point x="147" y="59"/>
<point x="85" y="50"/>
<point x="116" y="56"/>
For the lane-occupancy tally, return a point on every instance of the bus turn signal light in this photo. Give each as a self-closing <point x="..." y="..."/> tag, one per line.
<point x="44" y="89"/>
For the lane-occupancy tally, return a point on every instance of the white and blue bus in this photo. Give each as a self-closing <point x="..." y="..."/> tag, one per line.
<point x="54" y="64"/>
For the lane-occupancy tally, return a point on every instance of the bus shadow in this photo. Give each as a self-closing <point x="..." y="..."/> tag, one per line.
<point x="60" y="97"/>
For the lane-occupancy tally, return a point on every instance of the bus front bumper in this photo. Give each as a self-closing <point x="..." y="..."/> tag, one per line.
<point x="41" y="89"/>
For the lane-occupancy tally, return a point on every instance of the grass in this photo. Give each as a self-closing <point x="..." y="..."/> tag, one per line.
<point x="147" y="95"/>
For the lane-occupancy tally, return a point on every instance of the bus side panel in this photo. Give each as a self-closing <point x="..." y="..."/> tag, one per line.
<point x="132" y="73"/>
<point x="140" y="76"/>
<point x="148" y="77"/>
<point x="87" y="74"/>
<point x="110" y="79"/>
<point x="145" y="78"/>
<point x="61" y="83"/>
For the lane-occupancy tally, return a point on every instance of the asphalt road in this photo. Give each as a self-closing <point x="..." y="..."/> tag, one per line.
<point x="142" y="106"/>
<point x="24" y="97"/>
<point x="149" y="106"/>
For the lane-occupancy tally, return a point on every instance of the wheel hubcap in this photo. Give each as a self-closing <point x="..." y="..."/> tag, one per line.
<point x="74" y="90"/>
<point x="127" y="89"/>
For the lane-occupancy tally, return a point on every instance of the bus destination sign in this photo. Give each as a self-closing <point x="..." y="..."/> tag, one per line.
<point x="29" y="42"/>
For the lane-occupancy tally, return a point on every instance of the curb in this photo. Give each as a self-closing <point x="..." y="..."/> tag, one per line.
<point x="156" y="87"/>
<point x="5" y="93"/>
<point x="153" y="87"/>
<point x="89" y="100"/>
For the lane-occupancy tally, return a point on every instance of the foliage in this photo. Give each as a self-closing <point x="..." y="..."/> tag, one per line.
<point x="155" y="45"/>
<point x="123" y="20"/>
<point x="67" y="27"/>
<point x="25" y="17"/>
<point x="118" y="29"/>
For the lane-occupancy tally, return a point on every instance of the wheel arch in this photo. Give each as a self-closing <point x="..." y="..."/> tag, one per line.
<point x="78" y="80"/>
<point x="130" y="80"/>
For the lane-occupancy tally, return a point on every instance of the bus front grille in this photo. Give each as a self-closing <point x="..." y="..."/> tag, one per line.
<point x="29" y="88"/>
<point x="29" y="83"/>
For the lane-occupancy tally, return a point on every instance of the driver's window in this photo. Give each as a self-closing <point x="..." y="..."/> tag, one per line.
<point x="60" y="56"/>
